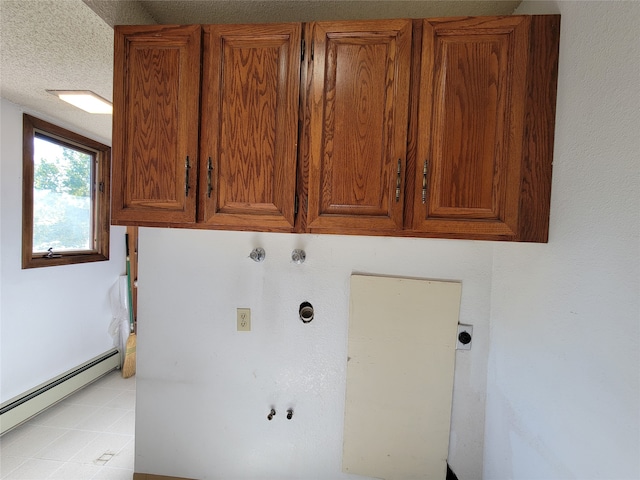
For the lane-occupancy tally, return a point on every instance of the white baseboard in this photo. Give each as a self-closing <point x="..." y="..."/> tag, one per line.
<point x="23" y="407"/>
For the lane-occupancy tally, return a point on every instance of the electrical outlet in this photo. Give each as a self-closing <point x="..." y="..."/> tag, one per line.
<point x="244" y="319"/>
<point x="465" y="335"/>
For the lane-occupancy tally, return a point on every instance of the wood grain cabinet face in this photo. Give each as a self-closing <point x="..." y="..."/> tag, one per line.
<point x="358" y="110"/>
<point x="480" y="151"/>
<point x="428" y="128"/>
<point x="155" y="135"/>
<point x="249" y="128"/>
<point x="242" y="172"/>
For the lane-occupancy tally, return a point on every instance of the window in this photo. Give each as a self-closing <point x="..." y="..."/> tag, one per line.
<point x="65" y="196"/>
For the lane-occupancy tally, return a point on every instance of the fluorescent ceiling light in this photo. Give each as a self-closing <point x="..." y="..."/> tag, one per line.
<point x="84" y="99"/>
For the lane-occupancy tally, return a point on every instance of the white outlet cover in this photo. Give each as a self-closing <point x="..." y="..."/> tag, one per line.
<point x="469" y="330"/>
<point x="244" y="319"/>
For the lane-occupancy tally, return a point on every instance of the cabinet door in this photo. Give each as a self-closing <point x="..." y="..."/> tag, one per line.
<point x="472" y="116"/>
<point x="155" y="124"/>
<point x="249" y="126"/>
<point x="358" y="104"/>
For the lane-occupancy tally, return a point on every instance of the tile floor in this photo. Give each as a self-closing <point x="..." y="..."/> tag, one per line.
<point x="87" y="436"/>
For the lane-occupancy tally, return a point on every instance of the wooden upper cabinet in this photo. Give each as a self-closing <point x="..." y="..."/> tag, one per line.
<point x="155" y="134"/>
<point x="357" y="103"/>
<point x="428" y="128"/>
<point x="249" y="126"/>
<point x="485" y="125"/>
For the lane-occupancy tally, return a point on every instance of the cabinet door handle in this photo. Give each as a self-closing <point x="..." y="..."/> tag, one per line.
<point x="209" y="169"/>
<point x="424" y="182"/>
<point x="398" y="180"/>
<point x="186" y="177"/>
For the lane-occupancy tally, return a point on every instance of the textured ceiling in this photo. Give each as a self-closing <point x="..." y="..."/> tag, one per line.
<point x="254" y="11"/>
<point x="61" y="45"/>
<point x="68" y="44"/>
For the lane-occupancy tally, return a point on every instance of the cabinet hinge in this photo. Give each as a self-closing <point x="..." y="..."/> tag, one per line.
<point x="303" y="46"/>
<point x="295" y="205"/>
<point x="101" y="187"/>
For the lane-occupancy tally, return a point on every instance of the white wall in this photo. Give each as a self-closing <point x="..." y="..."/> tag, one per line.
<point x="563" y="385"/>
<point x="51" y="319"/>
<point x="563" y="395"/>
<point x="204" y="389"/>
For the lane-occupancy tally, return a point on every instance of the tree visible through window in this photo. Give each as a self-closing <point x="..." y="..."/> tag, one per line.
<point x="61" y="197"/>
<point x="66" y="217"/>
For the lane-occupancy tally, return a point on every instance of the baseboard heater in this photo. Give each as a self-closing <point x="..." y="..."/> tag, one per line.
<point x="23" y="407"/>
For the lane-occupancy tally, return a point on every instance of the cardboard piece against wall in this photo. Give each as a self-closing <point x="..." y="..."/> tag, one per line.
<point x="402" y="338"/>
